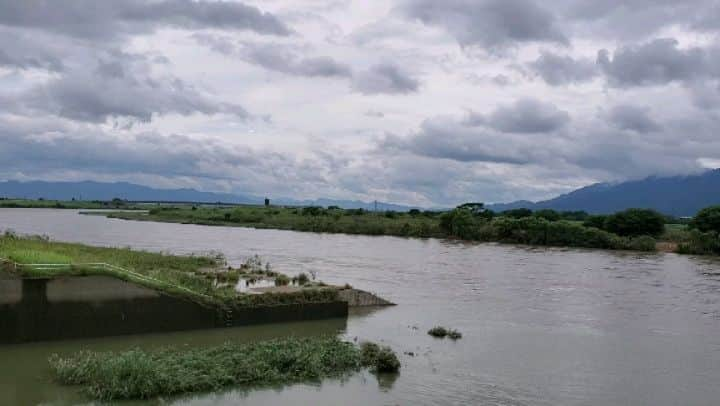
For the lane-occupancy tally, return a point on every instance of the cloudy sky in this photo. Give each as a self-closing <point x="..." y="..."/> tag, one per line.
<point x="422" y="102"/>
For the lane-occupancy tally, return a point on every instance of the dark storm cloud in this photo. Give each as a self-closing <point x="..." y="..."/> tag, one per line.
<point x="385" y="78"/>
<point x="26" y="52"/>
<point x="528" y="116"/>
<point x="628" y="117"/>
<point x="93" y="19"/>
<point x="448" y="138"/>
<point x="493" y="24"/>
<point x="633" y="19"/>
<point x="120" y="86"/>
<point x="658" y="62"/>
<point x="276" y="57"/>
<point x="561" y="70"/>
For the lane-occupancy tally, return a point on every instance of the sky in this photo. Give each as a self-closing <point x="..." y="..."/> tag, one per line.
<point x="420" y="102"/>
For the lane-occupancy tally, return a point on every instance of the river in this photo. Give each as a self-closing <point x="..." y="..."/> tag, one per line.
<point x="541" y="326"/>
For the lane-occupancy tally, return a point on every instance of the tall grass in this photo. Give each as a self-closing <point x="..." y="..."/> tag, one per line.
<point x="138" y="374"/>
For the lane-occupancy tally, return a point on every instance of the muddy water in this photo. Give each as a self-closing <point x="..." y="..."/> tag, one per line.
<point x="541" y="326"/>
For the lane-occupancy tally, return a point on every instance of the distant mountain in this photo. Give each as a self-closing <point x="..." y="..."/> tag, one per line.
<point x="89" y="190"/>
<point x="676" y="195"/>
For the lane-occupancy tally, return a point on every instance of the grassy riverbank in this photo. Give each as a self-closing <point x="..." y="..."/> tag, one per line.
<point x="67" y="204"/>
<point x="138" y="374"/>
<point x="533" y="228"/>
<point x="194" y="277"/>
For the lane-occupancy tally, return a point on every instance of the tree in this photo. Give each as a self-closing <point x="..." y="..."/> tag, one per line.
<point x="517" y="213"/>
<point x="635" y="222"/>
<point x="458" y="223"/>
<point x="477" y="209"/>
<point x="548" y="214"/>
<point x="597" y="221"/>
<point x="707" y="219"/>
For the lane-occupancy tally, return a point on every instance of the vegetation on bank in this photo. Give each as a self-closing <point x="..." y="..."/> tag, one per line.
<point x="442" y="332"/>
<point x="138" y="374"/>
<point x="193" y="277"/>
<point x="633" y="229"/>
<point x="114" y="204"/>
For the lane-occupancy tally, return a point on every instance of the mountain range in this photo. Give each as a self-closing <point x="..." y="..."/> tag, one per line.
<point x="676" y="195"/>
<point x="89" y="190"/>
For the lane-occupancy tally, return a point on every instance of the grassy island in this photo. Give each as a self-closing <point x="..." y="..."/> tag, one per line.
<point x="633" y="229"/>
<point x="137" y="374"/>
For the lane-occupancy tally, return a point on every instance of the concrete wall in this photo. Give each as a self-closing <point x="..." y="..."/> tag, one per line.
<point x="361" y="298"/>
<point x="97" y="306"/>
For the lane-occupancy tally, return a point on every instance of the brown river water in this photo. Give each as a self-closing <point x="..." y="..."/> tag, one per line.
<point x="541" y="326"/>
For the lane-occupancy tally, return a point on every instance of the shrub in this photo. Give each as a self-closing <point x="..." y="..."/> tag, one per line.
<point x="312" y="211"/>
<point x="302" y="279"/>
<point x="700" y="243"/>
<point x="368" y="353"/>
<point x="517" y="213"/>
<point x="597" y="221"/>
<point x="636" y="222"/>
<point x="387" y="361"/>
<point x="642" y="243"/>
<point x="454" y="334"/>
<point x="707" y="219"/>
<point x="548" y="214"/>
<point x="378" y="359"/>
<point x="438" y="331"/>
<point x="282" y="280"/>
<point x="442" y="332"/>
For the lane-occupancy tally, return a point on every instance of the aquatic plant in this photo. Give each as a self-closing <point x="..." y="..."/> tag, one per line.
<point x="139" y="374"/>
<point x="378" y="359"/>
<point x="442" y="332"/>
<point x="438" y="331"/>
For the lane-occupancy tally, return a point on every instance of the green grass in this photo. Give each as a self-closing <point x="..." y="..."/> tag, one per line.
<point x="138" y="374"/>
<point x="64" y="204"/>
<point x="173" y="274"/>
<point x="34" y="256"/>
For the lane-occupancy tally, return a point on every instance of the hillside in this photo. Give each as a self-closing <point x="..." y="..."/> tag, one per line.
<point x="676" y="195"/>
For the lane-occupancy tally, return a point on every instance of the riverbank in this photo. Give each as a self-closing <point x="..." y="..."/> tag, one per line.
<point x="53" y="290"/>
<point x="69" y="204"/>
<point x="204" y="279"/>
<point x="529" y="230"/>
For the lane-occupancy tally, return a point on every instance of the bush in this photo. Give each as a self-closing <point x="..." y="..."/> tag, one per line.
<point x="378" y="359"/>
<point x="700" y="243"/>
<point x="547" y="214"/>
<point x="438" y="331"/>
<point x="707" y="219"/>
<point x="517" y="213"/>
<point x="387" y="361"/>
<point x="454" y="334"/>
<point x="302" y="279"/>
<point x="282" y="280"/>
<point x="442" y="332"/>
<point x="597" y="221"/>
<point x="312" y="211"/>
<point x="642" y="243"/>
<point x="459" y="223"/>
<point x="636" y="222"/>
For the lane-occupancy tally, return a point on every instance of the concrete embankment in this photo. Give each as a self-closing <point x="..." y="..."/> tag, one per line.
<point x="46" y="309"/>
<point x="361" y="298"/>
